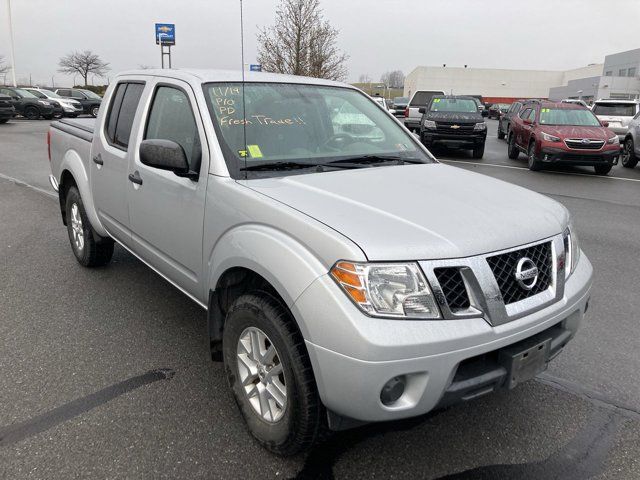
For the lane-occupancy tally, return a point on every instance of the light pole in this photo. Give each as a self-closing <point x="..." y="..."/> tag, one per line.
<point x="11" y="49"/>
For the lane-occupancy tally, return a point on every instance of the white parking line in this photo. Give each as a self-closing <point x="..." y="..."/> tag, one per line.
<point x="25" y="184"/>
<point x="604" y="177"/>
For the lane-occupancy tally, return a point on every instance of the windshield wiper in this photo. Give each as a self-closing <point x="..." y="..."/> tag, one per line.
<point x="274" y="166"/>
<point x="371" y="159"/>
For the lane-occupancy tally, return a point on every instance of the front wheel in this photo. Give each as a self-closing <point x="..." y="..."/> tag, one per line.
<point x="629" y="159"/>
<point x="270" y="374"/>
<point x="534" y="163"/>
<point x="603" y="169"/>
<point x="89" y="248"/>
<point x="31" y="113"/>
<point x="478" y="152"/>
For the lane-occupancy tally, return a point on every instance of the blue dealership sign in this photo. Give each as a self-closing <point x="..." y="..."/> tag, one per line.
<point x="255" y="68"/>
<point x="165" y="33"/>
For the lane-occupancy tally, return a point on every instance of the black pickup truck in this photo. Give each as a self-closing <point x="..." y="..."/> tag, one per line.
<point x="7" y="112"/>
<point x="454" y="121"/>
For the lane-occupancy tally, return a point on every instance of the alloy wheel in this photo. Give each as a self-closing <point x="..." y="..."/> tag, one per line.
<point x="76" y="227"/>
<point x="261" y="374"/>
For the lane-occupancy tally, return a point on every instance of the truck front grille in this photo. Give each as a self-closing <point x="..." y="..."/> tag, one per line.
<point x="452" y="128"/>
<point x="504" y="266"/>
<point x="453" y="288"/>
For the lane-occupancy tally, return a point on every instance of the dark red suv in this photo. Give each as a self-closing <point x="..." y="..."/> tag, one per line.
<point x="562" y="134"/>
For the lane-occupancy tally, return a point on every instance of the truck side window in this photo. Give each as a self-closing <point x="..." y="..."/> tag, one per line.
<point x="171" y="118"/>
<point x="525" y="113"/>
<point x="122" y="113"/>
<point x="532" y="115"/>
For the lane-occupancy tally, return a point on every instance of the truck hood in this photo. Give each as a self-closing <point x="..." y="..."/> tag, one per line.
<point x="460" y="117"/>
<point x="419" y="212"/>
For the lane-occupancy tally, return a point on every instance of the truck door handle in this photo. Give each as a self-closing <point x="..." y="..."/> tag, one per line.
<point x="135" y="178"/>
<point x="98" y="159"/>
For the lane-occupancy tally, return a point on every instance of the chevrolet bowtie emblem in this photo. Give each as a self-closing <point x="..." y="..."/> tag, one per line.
<point x="455" y="127"/>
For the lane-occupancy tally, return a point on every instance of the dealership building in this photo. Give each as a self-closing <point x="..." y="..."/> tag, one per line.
<point x="617" y="78"/>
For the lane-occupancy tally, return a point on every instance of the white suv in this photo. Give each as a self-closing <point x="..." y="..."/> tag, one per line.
<point x="617" y="113"/>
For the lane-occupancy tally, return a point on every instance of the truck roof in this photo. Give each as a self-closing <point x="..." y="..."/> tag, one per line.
<point x="204" y="76"/>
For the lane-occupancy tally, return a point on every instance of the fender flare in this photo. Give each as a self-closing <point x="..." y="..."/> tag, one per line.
<point x="72" y="163"/>
<point x="284" y="262"/>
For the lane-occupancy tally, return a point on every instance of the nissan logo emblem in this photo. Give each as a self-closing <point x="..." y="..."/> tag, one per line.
<point x="526" y="273"/>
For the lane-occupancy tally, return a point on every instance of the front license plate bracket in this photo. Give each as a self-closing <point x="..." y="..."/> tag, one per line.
<point x="525" y="360"/>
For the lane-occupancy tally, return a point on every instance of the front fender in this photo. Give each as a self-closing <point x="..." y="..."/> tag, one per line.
<point x="72" y="163"/>
<point x="280" y="259"/>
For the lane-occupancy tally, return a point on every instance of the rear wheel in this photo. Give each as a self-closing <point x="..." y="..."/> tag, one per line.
<point x="270" y="374"/>
<point x="534" y="163"/>
<point x="603" y="169"/>
<point x="629" y="158"/>
<point x="89" y="248"/>
<point x="31" y="113"/>
<point x="512" y="149"/>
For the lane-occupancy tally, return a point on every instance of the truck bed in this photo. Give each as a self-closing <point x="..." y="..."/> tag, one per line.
<point x="78" y="127"/>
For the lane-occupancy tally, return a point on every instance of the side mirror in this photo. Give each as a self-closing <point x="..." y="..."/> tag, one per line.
<point x="166" y="155"/>
<point x="605" y="124"/>
<point x="422" y="110"/>
<point x="484" y="113"/>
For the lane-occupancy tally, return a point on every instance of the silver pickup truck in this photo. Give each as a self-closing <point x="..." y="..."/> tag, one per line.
<point x="348" y="276"/>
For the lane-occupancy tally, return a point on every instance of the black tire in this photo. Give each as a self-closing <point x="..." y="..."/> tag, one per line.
<point x="532" y="159"/>
<point x="478" y="152"/>
<point x="94" y="111"/>
<point x="3" y="120"/>
<point x="501" y="134"/>
<point x="31" y="113"/>
<point x="303" y="418"/>
<point x="512" y="149"/>
<point x="95" y="250"/>
<point x="48" y="117"/>
<point x="629" y="159"/>
<point x="603" y="169"/>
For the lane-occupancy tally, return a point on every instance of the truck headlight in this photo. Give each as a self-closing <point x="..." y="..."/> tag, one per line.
<point x="393" y="290"/>
<point x="571" y="249"/>
<point x="550" y="138"/>
<point x="480" y="126"/>
<point x="614" y="141"/>
<point x="429" y="124"/>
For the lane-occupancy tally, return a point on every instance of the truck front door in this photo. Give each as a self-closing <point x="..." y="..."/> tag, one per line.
<point x="167" y="211"/>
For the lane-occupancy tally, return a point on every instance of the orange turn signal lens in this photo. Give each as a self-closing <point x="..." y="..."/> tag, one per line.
<point x="346" y="275"/>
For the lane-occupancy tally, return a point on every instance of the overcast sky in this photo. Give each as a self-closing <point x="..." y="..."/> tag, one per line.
<point x="378" y="35"/>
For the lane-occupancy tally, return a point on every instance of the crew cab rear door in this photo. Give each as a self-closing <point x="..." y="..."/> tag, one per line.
<point x="110" y="157"/>
<point x="167" y="211"/>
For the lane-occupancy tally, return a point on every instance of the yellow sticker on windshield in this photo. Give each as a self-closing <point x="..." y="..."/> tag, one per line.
<point x="242" y="153"/>
<point x="436" y="100"/>
<point x="254" y="151"/>
<point x="545" y="110"/>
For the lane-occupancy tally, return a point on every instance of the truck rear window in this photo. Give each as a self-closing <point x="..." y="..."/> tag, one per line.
<point x="620" y="109"/>
<point x="422" y="99"/>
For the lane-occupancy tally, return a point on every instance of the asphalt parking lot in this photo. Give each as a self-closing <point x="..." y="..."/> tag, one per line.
<point x="106" y="373"/>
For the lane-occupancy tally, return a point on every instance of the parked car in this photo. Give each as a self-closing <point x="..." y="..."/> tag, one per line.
<point x="498" y="109"/>
<point x="575" y="101"/>
<point x="7" y="111"/>
<point x="381" y="101"/>
<point x="30" y="106"/>
<point x="89" y="100"/>
<point x="346" y="280"/>
<point x="399" y="106"/>
<point x="454" y="121"/>
<point x="71" y="108"/>
<point x="420" y="99"/>
<point x="617" y="113"/>
<point x="631" y="147"/>
<point x="504" y="122"/>
<point x="562" y="134"/>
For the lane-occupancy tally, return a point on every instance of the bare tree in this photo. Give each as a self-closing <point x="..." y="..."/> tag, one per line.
<point x="301" y="42"/>
<point x="365" y="78"/>
<point x="4" y="69"/>
<point x="83" y="63"/>
<point x="394" y="79"/>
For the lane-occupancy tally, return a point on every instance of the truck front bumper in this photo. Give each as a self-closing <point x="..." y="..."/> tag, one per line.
<point x="469" y="140"/>
<point x="441" y="362"/>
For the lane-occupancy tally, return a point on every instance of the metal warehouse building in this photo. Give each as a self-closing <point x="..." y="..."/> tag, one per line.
<point x="505" y="86"/>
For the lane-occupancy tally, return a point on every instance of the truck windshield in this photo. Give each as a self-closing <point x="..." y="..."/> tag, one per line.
<point x="303" y="125"/>
<point x="463" y="105"/>
<point x="566" y="116"/>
